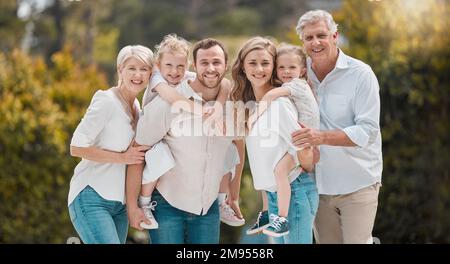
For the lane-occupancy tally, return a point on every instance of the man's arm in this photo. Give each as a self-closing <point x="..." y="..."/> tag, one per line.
<point x="307" y="137"/>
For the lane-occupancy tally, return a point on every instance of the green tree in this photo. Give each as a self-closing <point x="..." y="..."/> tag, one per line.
<point x="406" y="43"/>
<point x="39" y="109"/>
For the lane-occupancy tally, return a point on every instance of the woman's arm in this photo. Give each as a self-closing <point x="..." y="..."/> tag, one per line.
<point x="133" y="155"/>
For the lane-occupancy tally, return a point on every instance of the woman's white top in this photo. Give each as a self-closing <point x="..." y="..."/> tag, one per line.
<point x="269" y="140"/>
<point x="107" y="126"/>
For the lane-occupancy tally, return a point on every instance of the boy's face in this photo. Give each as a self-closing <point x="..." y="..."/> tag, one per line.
<point x="173" y="67"/>
<point x="289" y="67"/>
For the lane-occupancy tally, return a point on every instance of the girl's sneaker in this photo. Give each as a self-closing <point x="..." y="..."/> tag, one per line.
<point x="228" y="216"/>
<point x="149" y="215"/>
<point x="279" y="226"/>
<point x="261" y="222"/>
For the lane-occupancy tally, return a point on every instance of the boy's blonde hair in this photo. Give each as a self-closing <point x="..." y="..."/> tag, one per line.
<point x="174" y="44"/>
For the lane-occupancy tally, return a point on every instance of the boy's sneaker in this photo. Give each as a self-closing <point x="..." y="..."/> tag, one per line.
<point x="279" y="226"/>
<point x="228" y="216"/>
<point x="261" y="222"/>
<point x="148" y="214"/>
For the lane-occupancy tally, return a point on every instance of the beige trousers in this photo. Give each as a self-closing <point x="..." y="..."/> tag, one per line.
<point x="348" y="218"/>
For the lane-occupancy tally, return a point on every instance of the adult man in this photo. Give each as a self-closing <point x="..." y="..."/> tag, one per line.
<point x="348" y="175"/>
<point x="187" y="209"/>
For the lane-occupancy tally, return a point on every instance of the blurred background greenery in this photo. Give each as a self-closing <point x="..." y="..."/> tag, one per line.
<point x="54" y="54"/>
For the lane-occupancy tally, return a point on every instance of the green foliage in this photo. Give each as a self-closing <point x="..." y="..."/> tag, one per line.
<point x="39" y="109"/>
<point x="242" y="21"/>
<point x="406" y="43"/>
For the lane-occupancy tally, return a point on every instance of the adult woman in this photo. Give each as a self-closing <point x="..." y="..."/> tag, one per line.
<point x="104" y="141"/>
<point x="269" y="140"/>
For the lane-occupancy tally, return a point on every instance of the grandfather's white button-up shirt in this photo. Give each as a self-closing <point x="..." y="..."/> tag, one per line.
<point x="349" y="100"/>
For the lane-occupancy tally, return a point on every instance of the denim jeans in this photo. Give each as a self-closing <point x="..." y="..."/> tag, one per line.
<point x="97" y="220"/>
<point x="302" y="210"/>
<point x="178" y="227"/>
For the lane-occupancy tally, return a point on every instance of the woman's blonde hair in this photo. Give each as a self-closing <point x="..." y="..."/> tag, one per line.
<point x="174" y="44"/>
<point x="242" y="88"/>
<point x="139" y="52"/>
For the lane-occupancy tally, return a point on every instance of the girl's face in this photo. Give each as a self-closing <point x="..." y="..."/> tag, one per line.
<point x="135" y="75"/>
<point x="258" y="67"/>
<point x="173" y="67"/>
<point x="289" y="67"/>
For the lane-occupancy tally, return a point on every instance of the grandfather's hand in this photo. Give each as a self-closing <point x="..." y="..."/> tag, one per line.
<point x="306" y="137"/>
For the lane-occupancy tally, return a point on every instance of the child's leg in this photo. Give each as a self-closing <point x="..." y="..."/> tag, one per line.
<point x="145" y="196"/>
<point x="284" y="166"/>
<point x="264" y="201"/>
<point x="223" y="189"/>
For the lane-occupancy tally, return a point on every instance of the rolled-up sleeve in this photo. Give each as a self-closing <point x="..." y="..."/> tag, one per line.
<point x="366" y="106"/>
<point x="154" y="124"/>
<point x="97" y="115"/>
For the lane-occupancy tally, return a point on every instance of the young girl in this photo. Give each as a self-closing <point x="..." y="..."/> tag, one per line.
<point x="172" y="64"/>
<point x="291" y="72"/>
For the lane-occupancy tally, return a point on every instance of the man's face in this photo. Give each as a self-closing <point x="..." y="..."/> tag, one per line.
<point x="319" y="42"/>
<point x="210" y="66"/>
<point x="173" y="67"/>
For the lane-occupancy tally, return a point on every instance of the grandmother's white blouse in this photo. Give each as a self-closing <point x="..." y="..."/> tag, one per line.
<point x="107" y="126"/>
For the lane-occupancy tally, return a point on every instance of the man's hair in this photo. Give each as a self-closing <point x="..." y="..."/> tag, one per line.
<point x="314" y="16"/>
<point x="206" y="44"/>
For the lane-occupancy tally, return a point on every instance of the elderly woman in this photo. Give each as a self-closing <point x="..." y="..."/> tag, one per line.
<point x="270" y="149"/>
<point x="104" y="141"/>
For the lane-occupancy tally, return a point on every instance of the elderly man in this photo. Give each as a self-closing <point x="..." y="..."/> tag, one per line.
<point x="348" y="176"/>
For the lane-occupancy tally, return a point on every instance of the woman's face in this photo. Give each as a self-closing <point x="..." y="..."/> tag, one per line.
<point x="258" y="67"/>
<point x="135" y="75"/>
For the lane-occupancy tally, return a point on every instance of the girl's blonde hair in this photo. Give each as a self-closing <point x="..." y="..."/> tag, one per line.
<point x="242" y="88"/>
<point x="174" y="44"/>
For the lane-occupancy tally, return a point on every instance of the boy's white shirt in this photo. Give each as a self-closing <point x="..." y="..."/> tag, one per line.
<point x="159" y="159"/>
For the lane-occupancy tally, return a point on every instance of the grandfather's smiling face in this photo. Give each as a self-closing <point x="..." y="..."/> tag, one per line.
<point x="319" y="42"/>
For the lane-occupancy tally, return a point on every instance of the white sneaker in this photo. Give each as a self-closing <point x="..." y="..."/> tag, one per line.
<point x="148" y="214"/>
<point x="228" y="216"/>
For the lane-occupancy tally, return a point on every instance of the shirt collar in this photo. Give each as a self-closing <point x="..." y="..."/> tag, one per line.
<point x="187" y="91"/>
<point x="342" y="61"/>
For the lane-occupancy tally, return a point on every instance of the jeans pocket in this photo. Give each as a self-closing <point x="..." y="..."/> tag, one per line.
<point x="72" y="212"/>
<point x="313" y="199"/>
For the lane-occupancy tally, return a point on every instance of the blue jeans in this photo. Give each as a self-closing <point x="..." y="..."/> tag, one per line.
<point x="97" y="220"/>
<point x="178" y="227"/>
<point x="302" y="210"/>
